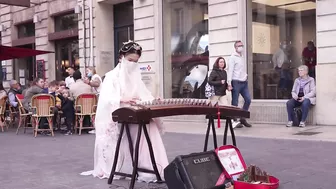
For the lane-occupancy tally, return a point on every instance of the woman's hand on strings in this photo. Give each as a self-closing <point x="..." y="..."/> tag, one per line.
<point x="130" y="101"/>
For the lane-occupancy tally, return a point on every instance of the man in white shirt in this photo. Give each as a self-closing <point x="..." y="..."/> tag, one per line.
<point x="69" y="80"/>
<point x="237" y="80"/>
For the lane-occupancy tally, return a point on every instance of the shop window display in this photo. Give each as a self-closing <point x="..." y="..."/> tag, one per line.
<point x="282" y="36"/>
<point x="186" y="55"/>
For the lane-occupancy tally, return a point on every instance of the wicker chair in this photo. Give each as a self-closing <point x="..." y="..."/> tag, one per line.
<point x="3" y="103"/>
<point x="85" y="105"/>
<point x="24" y="115"/>
<point x="13" y="113"/>
<point x="42" y="107"/>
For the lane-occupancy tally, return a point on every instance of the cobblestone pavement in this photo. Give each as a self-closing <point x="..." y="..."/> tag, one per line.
<point x="55" y="162"/>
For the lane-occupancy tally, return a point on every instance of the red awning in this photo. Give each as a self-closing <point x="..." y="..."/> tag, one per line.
<point x="7" y="53"/>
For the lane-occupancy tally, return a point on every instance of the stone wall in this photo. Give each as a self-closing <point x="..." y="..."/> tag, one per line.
<point x="146" y="33"/>
<point x="84" y="33"/>
<point x="12" y="15"/>
<point x="6" y="18"/>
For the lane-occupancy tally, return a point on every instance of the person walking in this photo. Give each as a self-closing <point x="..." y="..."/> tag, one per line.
<point x="237" y="82"/>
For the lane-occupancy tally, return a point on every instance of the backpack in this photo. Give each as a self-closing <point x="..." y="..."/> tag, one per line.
<point x="209" y="90"/>
<point x="297" y="116"/>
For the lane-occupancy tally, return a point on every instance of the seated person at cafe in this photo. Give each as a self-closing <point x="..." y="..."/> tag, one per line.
<point x="68" y="110"/>
<point x="78" y="88"/>
<point x="37" y="87"/>
<point x="53" y="89"/>
<point x="303" y="94"/>
<point x="15" y="89"/>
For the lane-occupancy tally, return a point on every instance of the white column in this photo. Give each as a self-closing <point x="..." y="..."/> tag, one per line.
<point x="226" y="25"/>
<point x="326" y="62"/>
<point x="145" y="23"/>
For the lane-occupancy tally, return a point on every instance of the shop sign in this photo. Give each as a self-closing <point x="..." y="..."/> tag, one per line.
<point x="147" y="68"/>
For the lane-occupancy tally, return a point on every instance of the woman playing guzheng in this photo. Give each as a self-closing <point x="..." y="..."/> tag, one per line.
<point x="121" y="87"/>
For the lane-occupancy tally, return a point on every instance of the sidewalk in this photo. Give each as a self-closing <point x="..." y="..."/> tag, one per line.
<point x="58" y="161"/>
<point x="312" y="133"/>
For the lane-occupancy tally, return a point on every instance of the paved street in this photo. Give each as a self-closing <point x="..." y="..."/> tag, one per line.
<point x="55" y="163"/>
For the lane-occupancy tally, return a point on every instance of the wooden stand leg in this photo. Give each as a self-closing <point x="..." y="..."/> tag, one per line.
<point x="226" y="130"/>
<point x="227" y="126"/>
<point x="207" y="136"/>
<point x="136" y="158"/>
<point x="211" y="124"/>
<point x="214" y="133"/>
<point x="130" y="143"/>
<point x="232" y="134"/>
<point x="151" y="153"/>
<point x="116" y="155"/>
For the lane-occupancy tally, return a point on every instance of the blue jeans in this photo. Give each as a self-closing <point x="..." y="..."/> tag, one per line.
<point x="240" y="87"/>
<point x="291" y="104"/>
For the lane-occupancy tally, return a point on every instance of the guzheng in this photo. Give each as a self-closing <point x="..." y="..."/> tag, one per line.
<point x="143" y="112"/>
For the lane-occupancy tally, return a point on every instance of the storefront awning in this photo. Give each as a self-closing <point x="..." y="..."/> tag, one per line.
<point x="7" y="53"/>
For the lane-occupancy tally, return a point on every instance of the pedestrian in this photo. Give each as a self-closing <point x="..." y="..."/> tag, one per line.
<point x="237" y="82"/>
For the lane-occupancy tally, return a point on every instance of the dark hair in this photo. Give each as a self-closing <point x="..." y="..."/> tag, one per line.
<point x="36" y="80"/>
<point x="77" y="75"/>
<point x="130" y="48"/>
<point x="310" y="43"/>
<point x="216" y="64"/>
<point x="53" y="83"/>
<point x="235" y="43"/>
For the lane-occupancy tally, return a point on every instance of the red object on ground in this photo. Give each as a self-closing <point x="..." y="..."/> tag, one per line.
<point x="274" y="182"/>
<point x="7" y="53"/>
<point x="218" y="117"/>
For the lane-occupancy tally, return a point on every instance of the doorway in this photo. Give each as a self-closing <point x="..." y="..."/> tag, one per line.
<point x="123" y="26"/>
<point x="67" y="55"/>
<point x="25" y="68"/>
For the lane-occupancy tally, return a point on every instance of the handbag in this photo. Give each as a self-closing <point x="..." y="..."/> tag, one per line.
<point x="209" y="90"/>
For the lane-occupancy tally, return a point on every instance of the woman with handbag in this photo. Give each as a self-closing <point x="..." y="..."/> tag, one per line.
<point x="218" y="79"/>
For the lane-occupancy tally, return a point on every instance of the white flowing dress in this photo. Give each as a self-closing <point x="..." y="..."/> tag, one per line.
<point x="120" y="85"/>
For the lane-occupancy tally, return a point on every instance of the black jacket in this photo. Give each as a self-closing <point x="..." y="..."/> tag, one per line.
<point x="215" y="78"/>
<point x="67" y="106"/>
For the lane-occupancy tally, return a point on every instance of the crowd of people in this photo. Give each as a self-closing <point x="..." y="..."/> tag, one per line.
<point x="235" y="80"/>
<point x="64" y="92"/>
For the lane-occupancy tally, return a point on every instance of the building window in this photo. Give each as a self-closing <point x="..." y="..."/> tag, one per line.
<point x="26" y="30"/>
<point x="186" y="56"/>
<point x="66" y="22"/>
<point x="279" y="32"/>
<point x="67" y="55"/>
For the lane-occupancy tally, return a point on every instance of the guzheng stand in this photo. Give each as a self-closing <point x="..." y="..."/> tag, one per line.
<point x="135" y="156"/>
<point x="140" y="117"/>
<point x="211" y="125"/>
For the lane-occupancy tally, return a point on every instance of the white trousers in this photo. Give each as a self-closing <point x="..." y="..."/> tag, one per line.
<point x="222" y="100"/>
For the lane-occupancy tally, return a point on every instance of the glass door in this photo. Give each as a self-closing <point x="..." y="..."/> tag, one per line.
<point x="121" y="35"/>
<point x="123" y="26"/>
